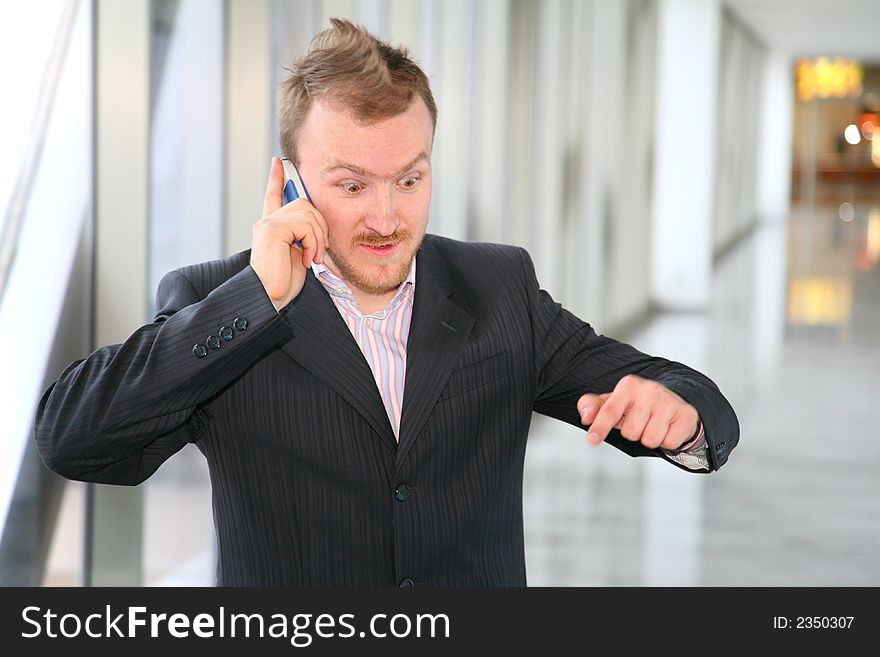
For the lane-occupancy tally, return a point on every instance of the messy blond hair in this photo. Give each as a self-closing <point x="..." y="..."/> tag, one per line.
<point x="348" y="65"/>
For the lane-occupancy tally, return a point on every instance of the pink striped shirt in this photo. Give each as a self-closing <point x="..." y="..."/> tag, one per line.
<point x="381" y="336"/>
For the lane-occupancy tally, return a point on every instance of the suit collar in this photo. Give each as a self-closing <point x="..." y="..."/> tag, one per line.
<point x="323" y="345"/>
<point x="439" y="330"/>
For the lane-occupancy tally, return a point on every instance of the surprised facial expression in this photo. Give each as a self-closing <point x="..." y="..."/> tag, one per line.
<point x="372" y="184"/>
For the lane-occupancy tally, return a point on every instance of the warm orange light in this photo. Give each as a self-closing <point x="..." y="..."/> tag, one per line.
<point x="868" y="124"/>
<point x="819" y="301"/>
<point x="828" y="78"/>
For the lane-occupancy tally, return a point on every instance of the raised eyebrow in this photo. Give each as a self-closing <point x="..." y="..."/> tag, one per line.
<point x="354" y="168"/>
<point x="421" y="156"/>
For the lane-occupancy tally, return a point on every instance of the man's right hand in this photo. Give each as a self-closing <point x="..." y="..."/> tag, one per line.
<point x="277" y="260"/>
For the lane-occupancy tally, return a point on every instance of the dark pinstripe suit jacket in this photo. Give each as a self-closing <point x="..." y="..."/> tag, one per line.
<point x="305" y="470"/>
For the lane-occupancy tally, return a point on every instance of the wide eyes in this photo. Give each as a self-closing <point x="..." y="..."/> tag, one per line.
<point x="408" y="183"/>
<point x="354" y="188"/>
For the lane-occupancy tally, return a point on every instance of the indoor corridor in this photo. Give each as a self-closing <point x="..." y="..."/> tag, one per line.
<point x="698" y="178"/>
<point x="796" y="349"/>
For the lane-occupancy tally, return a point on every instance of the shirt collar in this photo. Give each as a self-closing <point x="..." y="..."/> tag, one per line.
<point x="339" y="288"/>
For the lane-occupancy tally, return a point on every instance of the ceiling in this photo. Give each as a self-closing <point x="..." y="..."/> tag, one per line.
<point x="842" y="28"/>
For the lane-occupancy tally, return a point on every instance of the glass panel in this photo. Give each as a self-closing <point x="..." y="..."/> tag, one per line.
<point x="186" y="192"/>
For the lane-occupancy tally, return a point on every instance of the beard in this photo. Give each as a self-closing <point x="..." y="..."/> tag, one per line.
<point x="385" y="273"/>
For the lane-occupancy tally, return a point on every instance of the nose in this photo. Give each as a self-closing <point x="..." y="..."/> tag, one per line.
<point x="382" y="214"/>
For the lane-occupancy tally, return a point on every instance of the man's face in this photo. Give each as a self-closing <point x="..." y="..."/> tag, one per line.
<point x="372" y="183"/>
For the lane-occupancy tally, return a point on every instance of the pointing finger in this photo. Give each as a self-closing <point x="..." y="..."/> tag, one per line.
<point x="588" y="406"/>
<point x="609" y="416"/>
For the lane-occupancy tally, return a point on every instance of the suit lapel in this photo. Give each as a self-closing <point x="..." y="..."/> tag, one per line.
<point x="323" y="345"/>
<point x="438" y="332"/>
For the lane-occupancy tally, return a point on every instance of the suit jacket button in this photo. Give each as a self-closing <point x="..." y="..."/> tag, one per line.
<point x="226" y="333"/>
<point x="240" y="323"/>
<point x="719" y="449"/>
<point x="200" y="350"/>
<point x="213" y="341"/>
<point x="406" y="583"/>
<point x="402" y="492"/>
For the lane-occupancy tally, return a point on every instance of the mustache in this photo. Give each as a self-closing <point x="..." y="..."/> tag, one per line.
<point x="372" y="239"/>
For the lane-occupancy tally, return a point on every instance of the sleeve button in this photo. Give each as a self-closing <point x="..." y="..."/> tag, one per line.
<point x="200" y="350"/>
<point x="213" y="341"/>
<point x="226" y="333"/>
<point x="240" y="323"/>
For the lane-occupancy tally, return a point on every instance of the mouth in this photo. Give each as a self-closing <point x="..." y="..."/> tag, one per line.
<point x="380" y="249"/>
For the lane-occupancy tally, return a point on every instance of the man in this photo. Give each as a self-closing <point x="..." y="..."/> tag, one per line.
<point x="362" y="391"/>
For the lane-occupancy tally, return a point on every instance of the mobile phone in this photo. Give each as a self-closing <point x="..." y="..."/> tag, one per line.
<point x="293" y="184"/>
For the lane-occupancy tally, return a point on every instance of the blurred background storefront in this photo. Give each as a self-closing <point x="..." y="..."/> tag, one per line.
<point x="698" y="177"/>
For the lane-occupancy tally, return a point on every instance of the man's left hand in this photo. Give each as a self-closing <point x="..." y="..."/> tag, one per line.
<point x="644" y="411"/>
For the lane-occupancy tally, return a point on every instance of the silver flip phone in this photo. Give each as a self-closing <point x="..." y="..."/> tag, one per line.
<point x="293" y="185"/>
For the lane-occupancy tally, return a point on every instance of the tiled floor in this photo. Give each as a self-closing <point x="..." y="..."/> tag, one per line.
<point x="792" y="338"/>
<point x="798" y="503"/>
